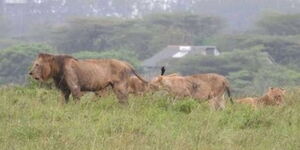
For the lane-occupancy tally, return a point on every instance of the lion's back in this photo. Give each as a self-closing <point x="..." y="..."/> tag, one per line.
<point x="248" y="100"/>
<point x="215" y="82"/>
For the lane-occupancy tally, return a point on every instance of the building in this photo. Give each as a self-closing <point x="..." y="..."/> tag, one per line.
<point x="152" y="65"/>
<point x="1" y="8"/>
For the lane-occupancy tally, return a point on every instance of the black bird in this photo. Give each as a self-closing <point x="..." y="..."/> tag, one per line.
<point x="163" y="70"/>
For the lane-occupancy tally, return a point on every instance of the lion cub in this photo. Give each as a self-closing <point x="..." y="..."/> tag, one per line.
<point x="274" y="96"/>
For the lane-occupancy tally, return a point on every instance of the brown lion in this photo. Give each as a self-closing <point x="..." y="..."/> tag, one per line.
<point x="274" y="96"/>
<point x="135" y="87"/>
<point x="248" y="100"/>
<point x="183" y="86"/>
<point x="174" y="84"/>
<point x="218" y="84"/>
<point x="210" y="86"/>
<point x="73" y="76"/>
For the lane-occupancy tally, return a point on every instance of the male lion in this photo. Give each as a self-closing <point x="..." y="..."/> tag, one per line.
<point x="73" y="76"/>
<point x="274" y="96"/>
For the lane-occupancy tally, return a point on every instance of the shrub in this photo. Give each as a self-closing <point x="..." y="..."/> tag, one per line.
<point x="16" y="60"/>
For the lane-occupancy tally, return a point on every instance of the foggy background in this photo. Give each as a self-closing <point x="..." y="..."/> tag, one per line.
<point x="259" y="40"/>
<point x="239" y="14"/>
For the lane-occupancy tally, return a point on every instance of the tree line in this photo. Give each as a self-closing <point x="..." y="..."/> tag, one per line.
<point x="265" y="55"/>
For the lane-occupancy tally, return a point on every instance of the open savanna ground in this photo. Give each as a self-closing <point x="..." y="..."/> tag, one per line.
<point x="31" y="118"/>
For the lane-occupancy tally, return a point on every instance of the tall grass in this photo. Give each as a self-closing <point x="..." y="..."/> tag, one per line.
<point x="33" y="119"/>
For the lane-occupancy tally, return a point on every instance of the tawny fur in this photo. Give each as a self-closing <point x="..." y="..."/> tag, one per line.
<point x="248" y="100"/>
<point x="201" y="86"/>
<point x="136" y="86"/>
<point x="174" y="84"/>
<point x="274" y="96"/>
<point x="217" y="84"/>
<point x="74" y="76"/>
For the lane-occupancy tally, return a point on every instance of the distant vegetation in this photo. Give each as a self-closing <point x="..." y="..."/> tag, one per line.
<point x="265" y="55"/>
<point x="15" y="61"/>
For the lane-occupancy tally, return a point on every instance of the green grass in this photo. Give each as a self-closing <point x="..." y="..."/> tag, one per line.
<point x="33" y="119"/>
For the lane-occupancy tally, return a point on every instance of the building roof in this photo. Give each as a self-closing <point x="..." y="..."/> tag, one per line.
<point x="15" y="1"/>
<point x="177" y="52"/>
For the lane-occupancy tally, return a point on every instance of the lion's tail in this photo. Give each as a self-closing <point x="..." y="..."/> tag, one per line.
<point x="228" y="91"/>
<point x="138" y="76"/>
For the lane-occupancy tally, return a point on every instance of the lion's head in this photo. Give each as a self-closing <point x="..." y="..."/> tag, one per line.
<point x="160" y="82"/>
<point x="41" y="68"/>
<point x="155" y="84"/>
<point x="276" y="94"/>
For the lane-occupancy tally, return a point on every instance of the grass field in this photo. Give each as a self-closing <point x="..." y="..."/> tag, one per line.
<point x="33" y="119"/>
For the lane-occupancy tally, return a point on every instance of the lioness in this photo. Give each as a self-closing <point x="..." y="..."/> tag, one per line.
<point x="135" y="87"/>
<point x="248" y="100"/>
<point x="208" y="86"/>
<point x="72" y="76"/>
<point x="274" y="96"/>
<point x="182" y="86"/>
<point x="218" y="84"/>
<point x="173" y="84"/>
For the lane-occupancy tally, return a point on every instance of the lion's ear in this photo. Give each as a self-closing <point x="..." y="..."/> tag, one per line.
<point x="160" y="78"/>
<point x="271" y="88"/>
<point x="52" y="58"/>
<point x="283" y="90"/>
<point x="46" y="56"/>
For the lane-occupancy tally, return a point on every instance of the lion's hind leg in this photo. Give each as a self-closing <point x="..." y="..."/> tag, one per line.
<point x="120" y="89"/>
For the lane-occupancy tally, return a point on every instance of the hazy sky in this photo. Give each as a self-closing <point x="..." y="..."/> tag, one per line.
<point x="239" y="14"/>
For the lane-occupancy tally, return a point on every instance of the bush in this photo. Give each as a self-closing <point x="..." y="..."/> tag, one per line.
<point x="249" y="71"/>
<point x="16" y="60"/>
<point x="127" y="56"/>
<point x="144" y="36"/>
<point x="224" y="64"/>
<point x="279" y="24"/>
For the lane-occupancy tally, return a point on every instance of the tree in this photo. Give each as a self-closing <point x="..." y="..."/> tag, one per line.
<point x="224" y="64"/>
<point x="3" y="26"/>
<point x="249" y="71"/>
<point x="93" y="34"/>
<point x="144" y="36"/>
<point x="121" y="55"/>
<point x="279" y="24"/>
<point x="15" y="61"/>
<point x="192" y="27"/>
